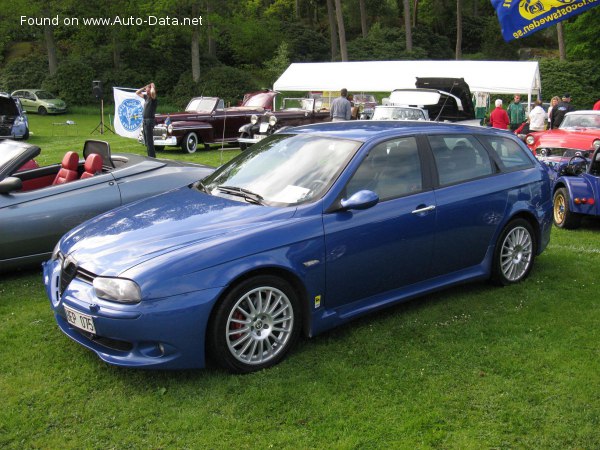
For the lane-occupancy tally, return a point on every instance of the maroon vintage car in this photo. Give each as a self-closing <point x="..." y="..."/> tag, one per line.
<point x="294" y="112"/>
<point x="206" y="121"/>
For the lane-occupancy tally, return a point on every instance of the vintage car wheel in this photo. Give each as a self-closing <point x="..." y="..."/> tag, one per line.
<point x="255" y="325"/>
<point x="563" y="216"/>
<point x="190" y="143"/>
<point x="42" y="111"/>
<point x="514" y="253"/>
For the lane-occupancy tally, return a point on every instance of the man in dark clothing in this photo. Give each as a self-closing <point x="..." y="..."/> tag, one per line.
<point x="148" y="93"/>
<point x="559" y="111"/>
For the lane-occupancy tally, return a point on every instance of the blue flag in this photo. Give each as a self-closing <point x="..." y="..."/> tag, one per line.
<point x="520" y="18"/>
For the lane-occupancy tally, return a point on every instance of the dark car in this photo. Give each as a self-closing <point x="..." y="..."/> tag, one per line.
<point x="444" y="99"/>
<point x="294" y="112"/>
<point x="39" y="204"/>
<point x="13" y="120"/>
<point x="575" y="188"/>
<point x="206" y="121"/>
<point x="307" y="230"/>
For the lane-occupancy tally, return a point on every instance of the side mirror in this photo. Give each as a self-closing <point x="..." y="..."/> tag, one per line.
<point x="360" y="200"/>
<point x="10" y="184"/>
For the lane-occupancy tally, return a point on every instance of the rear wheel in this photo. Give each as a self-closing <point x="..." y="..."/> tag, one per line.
<point x="563" y="216"/>
<point x="514" y="253"/>
<point x="190" y="143"/>
<point x="255" y="325"/>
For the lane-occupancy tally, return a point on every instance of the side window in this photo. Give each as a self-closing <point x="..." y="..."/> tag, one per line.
<point x="221" y="104"/>
<point x="392" y="169"/>
<point x="509" y="152"/>
<point x="459" y="158"/>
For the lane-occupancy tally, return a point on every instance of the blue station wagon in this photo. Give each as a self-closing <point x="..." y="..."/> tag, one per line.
<point x="304" y="231"/>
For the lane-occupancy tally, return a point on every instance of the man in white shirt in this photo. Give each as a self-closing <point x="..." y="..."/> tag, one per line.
<point x="537" y="117"/>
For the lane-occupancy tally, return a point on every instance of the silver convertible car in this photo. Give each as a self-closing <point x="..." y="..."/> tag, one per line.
<point x="39" y="204"/>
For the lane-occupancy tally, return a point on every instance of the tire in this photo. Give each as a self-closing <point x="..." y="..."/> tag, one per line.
<point x="243" y="145"/>
<point x="159" y="148"/>
<point x="26" y="135"/>
<point x="562" y="214"/>
<point x="42" y="111"/>
<point x="190" y="143"/>
<point x="265" y="309"/>
<point x="514" y="253"/>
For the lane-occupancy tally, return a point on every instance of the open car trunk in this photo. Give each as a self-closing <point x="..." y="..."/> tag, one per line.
<point x="8" y="113"/>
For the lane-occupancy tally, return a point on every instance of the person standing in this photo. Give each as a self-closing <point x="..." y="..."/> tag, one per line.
<point x="341" y="109"/>
<point x="148" y="93"/>
<point x="558" y="113"/>
<point x="553" y="104"/>
<point x="516" y="113"/>
<point x="499" y="117"/>
<point x="537" y="117"/>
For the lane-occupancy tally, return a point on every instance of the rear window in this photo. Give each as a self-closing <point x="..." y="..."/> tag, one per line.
<point x="510" y="153"/>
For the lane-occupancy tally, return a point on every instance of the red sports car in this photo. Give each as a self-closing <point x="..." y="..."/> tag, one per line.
<point x="579" y="130"/>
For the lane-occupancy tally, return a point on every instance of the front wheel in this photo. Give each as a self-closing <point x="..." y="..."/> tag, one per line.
<point x="190" y="143"/>
<point x="243" y="145"/>
<point x="255" y="325"/>
<point x="514" y="253"/>
<point x="42" y="111"/>
<point x="563" y="216"/>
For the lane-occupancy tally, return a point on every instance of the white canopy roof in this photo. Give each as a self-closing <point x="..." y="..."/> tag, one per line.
<point x="500" y="77"/>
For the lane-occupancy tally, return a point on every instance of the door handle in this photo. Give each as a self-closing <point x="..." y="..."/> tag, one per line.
<point x="423" y="209"/>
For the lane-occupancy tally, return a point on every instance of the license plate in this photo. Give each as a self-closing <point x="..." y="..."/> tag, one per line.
<point x="81" y="321"/>
<point x="264" y="126"/>
<point x="260" y="137"/>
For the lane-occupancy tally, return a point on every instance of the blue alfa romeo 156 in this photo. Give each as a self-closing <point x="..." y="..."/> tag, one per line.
<point x="304" y="231"/>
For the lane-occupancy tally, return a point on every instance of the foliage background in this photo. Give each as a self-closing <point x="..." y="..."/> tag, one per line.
<point x="246" y="44"/>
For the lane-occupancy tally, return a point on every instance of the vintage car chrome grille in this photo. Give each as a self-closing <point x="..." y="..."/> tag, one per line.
<point x="159" y="131"/>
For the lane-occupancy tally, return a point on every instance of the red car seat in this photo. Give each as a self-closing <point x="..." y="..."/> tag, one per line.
<point x="68" y="170"/>
<point x="93" y="165"/>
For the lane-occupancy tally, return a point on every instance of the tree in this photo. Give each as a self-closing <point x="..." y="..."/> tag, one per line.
<point x="332" y="30"/>
<point x="407" y="26"/>
<point x="363" y="18"/>
<point x="561" y="41"/>
<point x="458" y="29"/>
<point x="341" y="29"/>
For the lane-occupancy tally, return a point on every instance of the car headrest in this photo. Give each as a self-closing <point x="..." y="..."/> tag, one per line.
<point x="93" y="163"/>
<point x="70" y="161"/>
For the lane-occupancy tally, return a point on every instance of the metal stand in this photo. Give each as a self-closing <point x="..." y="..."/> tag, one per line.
<point x="101" y="125"/>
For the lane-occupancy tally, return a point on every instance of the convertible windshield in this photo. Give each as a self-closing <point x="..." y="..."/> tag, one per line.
<point x="581" y="121"/>
<point x="201" y="104"/>
<point x="283" y="169"/>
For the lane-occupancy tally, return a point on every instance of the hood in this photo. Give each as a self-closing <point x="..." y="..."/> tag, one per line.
<point x="53" y="101"/>
<point x="582" y="139"/>
<point x="8" y="106"/>
<point x="125" y="237"/>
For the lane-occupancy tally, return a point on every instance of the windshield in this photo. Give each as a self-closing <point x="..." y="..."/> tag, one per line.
<point x="43" y="95"/>
<point x="581" y="121"/>
<point x="398" y="114"/>
<point x="201" y="104"/>
<point x="284" y="169"/>
<point x="364" y="98"/>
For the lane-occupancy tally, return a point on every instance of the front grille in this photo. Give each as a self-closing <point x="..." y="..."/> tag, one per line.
<point x="113" y="344"/>
<point x="159" y="131"/>
<point x="69" y="271"/>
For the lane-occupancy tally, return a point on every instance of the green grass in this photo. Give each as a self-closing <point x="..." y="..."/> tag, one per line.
<point x="471" y="367"/>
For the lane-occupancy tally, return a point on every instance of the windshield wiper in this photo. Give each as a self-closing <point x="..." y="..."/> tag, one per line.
<point x="249" y="196"/>
<point x="201" y="187"/>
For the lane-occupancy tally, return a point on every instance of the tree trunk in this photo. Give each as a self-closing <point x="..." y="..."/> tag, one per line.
<point x="407" y="26"/>
<point x="415" y="10"/>
<point x="341" y="29"/>
<point x="332" y="30"/>
<point x="363" y="18"/>
<point x="51" y="48"/>
<point x="195" y="46"/>
<point x="458" y="29"/>
<point x="116" y="51"/>
<point x="212" y="49"/>
<point x="297" y="9"/>
<point x="561" y="42"/>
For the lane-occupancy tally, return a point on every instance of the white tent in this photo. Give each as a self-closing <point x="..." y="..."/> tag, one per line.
<point x="491" y="77"/>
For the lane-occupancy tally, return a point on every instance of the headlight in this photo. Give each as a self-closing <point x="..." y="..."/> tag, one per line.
<point x="19" y="120"/>
<point x="56" y="252"/>
<point x="117" y="290"/>
<point x="253" y="119"/>
<point x="170" y="128"/>
<point x="272" y="121"/>
<point x="530" y="140"/>
<point x="596" y="144"/>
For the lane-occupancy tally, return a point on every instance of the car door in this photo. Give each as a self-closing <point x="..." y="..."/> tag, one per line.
<point x="388" y="246"/>
<point x="33" y="221"/>
<point x="469" y="205"/>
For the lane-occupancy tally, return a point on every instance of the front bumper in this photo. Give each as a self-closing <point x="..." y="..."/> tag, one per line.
<point x="167" y="141"/>
<point x="167" y="333"/>
<point x="253" y="140"/>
